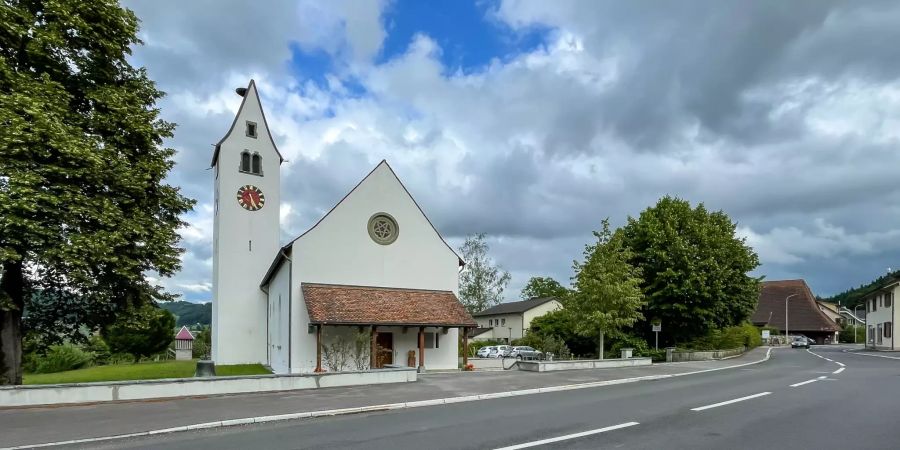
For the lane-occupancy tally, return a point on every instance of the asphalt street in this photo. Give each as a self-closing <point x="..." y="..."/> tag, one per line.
<point x="795" y="400"/>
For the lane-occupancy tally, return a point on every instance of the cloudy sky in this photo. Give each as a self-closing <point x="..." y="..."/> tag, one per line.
<point x="531" y="120"/>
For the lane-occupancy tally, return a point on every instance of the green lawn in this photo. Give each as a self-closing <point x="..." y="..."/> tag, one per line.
<point x="141" y="371"/>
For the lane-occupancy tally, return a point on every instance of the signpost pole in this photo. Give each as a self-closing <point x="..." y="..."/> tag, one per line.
<point x="656" y="327"/>
<point x="657" y="341"/>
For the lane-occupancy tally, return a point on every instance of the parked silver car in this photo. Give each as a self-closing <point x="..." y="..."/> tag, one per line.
<point x="525" y="352"/>
<point x="499" y="351"/>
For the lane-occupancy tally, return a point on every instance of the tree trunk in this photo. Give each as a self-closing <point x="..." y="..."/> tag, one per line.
<point x="12" y="303"/>
<point x="600" y="347"/>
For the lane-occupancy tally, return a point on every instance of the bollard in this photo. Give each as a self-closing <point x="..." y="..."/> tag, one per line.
<point x="205" y="368"/>
<point x="669" y="351"/>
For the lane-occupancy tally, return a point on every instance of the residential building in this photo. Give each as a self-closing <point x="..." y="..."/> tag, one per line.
<point x="832" y="310"/>
<point x="881" y="315"/>
<point x="511" y="320"/>
<point x="791" y="305"/>
<point x="373" y="269"/>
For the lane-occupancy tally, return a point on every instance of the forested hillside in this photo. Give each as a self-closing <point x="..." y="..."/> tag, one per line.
<point x="852" y="297"/>
<point x="189" y="313"/>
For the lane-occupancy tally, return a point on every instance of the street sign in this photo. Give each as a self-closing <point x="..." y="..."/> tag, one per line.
<point x="765" y="334"/>
<point x="657" y="327"/>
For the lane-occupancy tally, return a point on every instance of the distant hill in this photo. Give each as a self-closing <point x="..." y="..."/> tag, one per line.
<point x="852" y="297"/>
<point x="189" y="313"/>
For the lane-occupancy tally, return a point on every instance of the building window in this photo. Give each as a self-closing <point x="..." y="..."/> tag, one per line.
<point x="256" y="165"/>
<point x="880" y="334"/>
<point x="888" y="329"/>
<point x="888" y="299"/>
<point x="245" y="161"/>
<point x="251" y="129"/>
<point x="383" y="228"/>
<point x="490" y="322"/>
<point x="503" y="322"/>
<point x="874" y="305"/>
<point x="432" y="340"/>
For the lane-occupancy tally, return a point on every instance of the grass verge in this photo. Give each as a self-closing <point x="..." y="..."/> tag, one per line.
<point x="140" y="371"/>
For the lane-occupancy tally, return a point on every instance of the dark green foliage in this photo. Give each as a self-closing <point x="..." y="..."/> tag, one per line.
<point x="560" y="324"/>
<point x="852" y="298"/>
<point x="744" y="335"/>
<point x="695" y="269"/>
<point x="83" y="203"/>
<point x="846" y="336"/>
<point x="141" y="332"/>
<point x="188" y="313"/>
<point x="543" y="287"/>
<point x="202" y="343"/>
<point x="98" y="347"/>
<point x="60" y="358"/>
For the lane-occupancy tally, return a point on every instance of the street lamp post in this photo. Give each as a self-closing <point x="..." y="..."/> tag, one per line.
<point x="786" y="332"/>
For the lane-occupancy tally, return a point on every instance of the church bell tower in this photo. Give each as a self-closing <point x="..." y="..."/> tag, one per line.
<point x="246" y="232"/>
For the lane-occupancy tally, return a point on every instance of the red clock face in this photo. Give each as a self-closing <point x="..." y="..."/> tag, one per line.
<point x="251" y="198"/>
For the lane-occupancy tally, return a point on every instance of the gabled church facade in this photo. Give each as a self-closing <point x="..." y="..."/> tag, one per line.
<point x="372" y="271"/>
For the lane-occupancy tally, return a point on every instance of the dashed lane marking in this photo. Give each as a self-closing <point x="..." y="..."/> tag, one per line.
<point x="716" y="405"/>
<point x="569" y="436"/>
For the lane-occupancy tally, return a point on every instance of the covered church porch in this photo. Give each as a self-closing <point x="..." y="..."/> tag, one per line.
<point x="365" y="327"/>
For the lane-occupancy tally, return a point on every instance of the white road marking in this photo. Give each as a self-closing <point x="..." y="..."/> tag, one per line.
<point x="838" y="371"/>
<point x="839" y="363"/>
<point x="569" y="436"/>
<point x="805" y="382"/>
<point x="716" y="405"/>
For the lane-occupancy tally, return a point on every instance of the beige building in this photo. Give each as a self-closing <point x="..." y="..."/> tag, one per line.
<point x="881" y="315"/>
<point x="511" y="320"/>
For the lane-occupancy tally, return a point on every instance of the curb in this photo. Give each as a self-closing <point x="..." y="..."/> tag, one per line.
<point x="383" y="407"/>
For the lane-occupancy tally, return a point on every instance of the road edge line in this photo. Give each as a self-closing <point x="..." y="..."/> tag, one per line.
<point x="383" y="407"/>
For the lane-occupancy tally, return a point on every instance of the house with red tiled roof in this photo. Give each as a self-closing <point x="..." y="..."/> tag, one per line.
<point x="789" y="305"/>
<point x="371" y="284"/>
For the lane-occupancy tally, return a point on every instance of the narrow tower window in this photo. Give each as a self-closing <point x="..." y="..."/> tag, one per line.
<point x="251" y="129"/>
<point x="257" y="164"/>
<point x="245" y="161"/>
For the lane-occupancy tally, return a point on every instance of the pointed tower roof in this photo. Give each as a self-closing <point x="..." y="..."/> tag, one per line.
<point x="184" y="334"/>
<point x="246" y="93"/>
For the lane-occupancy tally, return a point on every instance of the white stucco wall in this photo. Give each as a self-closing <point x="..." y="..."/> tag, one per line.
<point x="512" y="329"/>
<point x="278" y="320"/>
<point x="881" y="316"/>
<point x="339" y="251"/>
<point x="239" y="306"/>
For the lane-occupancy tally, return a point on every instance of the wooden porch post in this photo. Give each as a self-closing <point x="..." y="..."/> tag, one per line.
<point x="318" y="348"/>
<point x="421" y="349"/>
<point x="373" y="352"/>
<point x="465" y="338"/>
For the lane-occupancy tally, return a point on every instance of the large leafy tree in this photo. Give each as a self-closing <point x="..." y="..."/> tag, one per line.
<point x="543" y="287"/>
<point x="84" y="210"/>
<point x="695" y="268"/>
<point x="482" y="282"/>
<point x="607" y="295"/>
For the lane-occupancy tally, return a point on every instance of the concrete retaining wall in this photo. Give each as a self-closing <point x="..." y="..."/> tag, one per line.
<point x="55" y="394"/>
<point x="549" y="366"/>
<point x="682" y="356"/>
<point x="486" y="363"/>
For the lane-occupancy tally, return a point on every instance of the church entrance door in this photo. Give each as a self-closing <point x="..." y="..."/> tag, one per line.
<point x="385" y="343"/>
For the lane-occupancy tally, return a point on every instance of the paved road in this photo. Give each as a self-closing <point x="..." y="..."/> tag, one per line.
<point x="54" y="424"/>
<point x="795" y="400"/>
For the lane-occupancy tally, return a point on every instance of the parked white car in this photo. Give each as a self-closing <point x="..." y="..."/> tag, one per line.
<point x="483" y="352"/>
<point x="525" y="352"/>
<point x="499" y="351"/>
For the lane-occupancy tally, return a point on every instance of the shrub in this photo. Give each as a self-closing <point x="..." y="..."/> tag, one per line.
<point x="639" y="345"/>
<point x="846" y="336"/>
<point x="60" y="358"/>
<point x="745" y="335"/>
<point x="141" y="332"/>
<point x="99" y="348"/>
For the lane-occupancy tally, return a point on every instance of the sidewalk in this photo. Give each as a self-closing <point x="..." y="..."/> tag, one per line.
<point x="27" y="426"/>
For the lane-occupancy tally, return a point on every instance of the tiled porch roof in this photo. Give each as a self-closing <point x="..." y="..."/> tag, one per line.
<point x="335" y="304"/>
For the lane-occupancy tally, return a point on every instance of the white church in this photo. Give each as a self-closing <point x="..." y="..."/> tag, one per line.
<point x="373" y="270"/>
